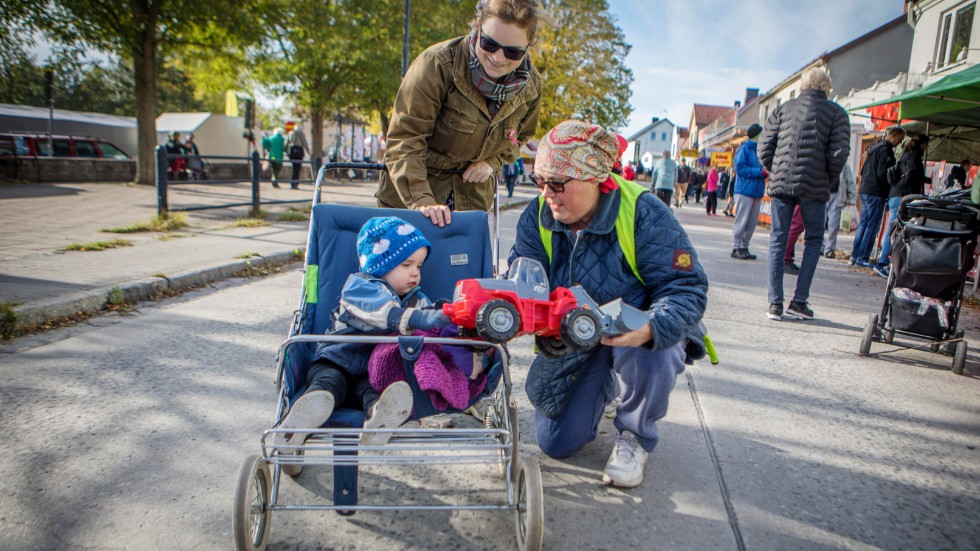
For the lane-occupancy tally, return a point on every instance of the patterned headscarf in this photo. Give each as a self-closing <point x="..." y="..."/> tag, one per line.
<point x="506" y="87"/>
<point x="582" y="151"/>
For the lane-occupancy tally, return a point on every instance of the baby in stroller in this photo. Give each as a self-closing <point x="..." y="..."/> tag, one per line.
<point x="384" y="297"/>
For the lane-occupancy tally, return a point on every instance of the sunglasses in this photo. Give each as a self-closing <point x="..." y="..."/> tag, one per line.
<point x="490" y="45"/>
<point x="556" y="186"/>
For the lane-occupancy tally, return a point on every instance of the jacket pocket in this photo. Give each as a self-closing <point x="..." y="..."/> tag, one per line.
<point x="457" y="121"/>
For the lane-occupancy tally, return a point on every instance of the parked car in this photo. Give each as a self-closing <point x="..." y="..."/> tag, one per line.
<point x="18" y="144"/>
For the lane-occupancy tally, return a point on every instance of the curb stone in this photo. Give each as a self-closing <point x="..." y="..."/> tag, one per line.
<point x="94" y="301"/>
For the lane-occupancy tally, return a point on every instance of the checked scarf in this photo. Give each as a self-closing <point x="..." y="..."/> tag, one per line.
<point x="506" y="86"/>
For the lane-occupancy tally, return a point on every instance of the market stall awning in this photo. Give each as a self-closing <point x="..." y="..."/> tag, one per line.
<point x="953" y="100"/>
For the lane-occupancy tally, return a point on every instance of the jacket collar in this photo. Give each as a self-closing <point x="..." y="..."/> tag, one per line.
<point x="602" y="223"/>
<point x="815" y="93"/>
<point x="407" y="300"/>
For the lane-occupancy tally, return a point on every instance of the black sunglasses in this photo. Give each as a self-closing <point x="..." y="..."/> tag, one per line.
<point x="490" y="45"/>
<point x="556" y="186"/>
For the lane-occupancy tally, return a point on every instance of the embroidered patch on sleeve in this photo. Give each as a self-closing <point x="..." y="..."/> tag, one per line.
<point x="682" y="261"/>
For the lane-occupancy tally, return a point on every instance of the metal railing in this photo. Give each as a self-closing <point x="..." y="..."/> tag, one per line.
<point x="171" y="172"/>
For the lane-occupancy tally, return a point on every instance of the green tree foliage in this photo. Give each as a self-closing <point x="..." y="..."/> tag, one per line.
<point x="140" y="32"/>
<point x="345" y="57"/>
<point x="583" y="61"/>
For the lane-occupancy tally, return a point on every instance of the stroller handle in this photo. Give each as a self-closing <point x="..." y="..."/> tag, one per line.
<point x="961" y="206"/>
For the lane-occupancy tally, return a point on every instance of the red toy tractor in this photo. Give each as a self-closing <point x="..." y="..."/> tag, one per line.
<point x="498" y="310"/>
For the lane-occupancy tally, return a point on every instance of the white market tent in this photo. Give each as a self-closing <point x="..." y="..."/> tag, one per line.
<point x="120" y="131"/>
<point x="213" y="134"/>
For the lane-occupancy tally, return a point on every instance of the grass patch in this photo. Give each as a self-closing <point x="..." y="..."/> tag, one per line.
<point x="292" y="216"/>
<point x="248" y="255"/>
<point x="171" y="236"/>
<point x="98" y="245"/>
<point x="8" y="320"/>
<point x="165" y="222"/>
<point x="249" y="223"/>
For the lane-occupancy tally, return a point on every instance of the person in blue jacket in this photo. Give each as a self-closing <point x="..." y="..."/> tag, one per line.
<point x="750" y="186"/>
<point x="384" y="297"/>
<point x="581" y="205"/>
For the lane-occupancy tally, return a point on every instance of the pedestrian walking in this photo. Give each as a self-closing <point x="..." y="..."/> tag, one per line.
<point x="683" y="179"/>
<point x="628" y="172"/>
<point x="711" y="193"/>
<point x="874" y="194"/>
<point x="298" y="149"/>
<point x="805" y="145"/>
<point x="750" y="186"/>
<point x="511" y="172"/>
<point x="664" y="177"/>
<point x="467" y="104"/>
<point x="844" y="196"/>
<point x="274" y="148"/>
<point x="909" y="179"/>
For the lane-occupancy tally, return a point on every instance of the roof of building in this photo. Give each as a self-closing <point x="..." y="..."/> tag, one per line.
<point x="683" y="132"/>
<point x="706" y="114"/>
<point x="826" y="56"/>
<point x="649" y="127"/>
<point x="29" y="112"/>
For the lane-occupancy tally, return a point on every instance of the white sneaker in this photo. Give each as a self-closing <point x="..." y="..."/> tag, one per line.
<point x="626" y="463"/>
<point x="390" y="411"/>
<point x="309" y="411"/>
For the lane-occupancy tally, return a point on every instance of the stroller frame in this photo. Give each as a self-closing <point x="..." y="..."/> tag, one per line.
<point x="920" y="217"/>
<point x="338" y="445"/>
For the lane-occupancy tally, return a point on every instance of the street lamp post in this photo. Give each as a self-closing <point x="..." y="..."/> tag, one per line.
<point x="408" y="16"/>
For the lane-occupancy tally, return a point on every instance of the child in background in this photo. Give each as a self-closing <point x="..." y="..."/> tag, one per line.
<point x="384" y="297"/>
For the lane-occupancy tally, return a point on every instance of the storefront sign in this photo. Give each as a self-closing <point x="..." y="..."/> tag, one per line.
<point x="721" y="159"/>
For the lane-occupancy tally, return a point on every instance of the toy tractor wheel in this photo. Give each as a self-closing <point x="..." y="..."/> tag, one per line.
<point x="551" y="347"/>
<point x="497" y="321"/>
<point x="581" y="328"/>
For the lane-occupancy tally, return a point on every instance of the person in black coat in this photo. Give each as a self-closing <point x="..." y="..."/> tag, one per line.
<point x="804" y="146"/>
<point x="910" y="179"/>
<point x="874" y="194"/>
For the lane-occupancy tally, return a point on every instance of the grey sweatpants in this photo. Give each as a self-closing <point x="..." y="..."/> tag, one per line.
<point x="746" y="218"/>
<point x="833" y="223"/>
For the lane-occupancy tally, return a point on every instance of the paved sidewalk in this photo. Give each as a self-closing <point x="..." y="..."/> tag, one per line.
<point x="43" y="282"/>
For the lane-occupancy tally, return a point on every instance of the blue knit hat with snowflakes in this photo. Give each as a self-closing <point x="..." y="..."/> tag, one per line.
<point x="385" y="242"/>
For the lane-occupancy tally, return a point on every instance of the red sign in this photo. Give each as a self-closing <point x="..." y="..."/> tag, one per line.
<point x="290" y="126"/>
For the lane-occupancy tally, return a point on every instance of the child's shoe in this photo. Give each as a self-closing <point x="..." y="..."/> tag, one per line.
<point x="309" y="411"/>
<point x="390" y="411"/>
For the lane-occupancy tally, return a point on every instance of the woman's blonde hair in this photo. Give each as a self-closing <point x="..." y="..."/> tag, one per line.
<point x="526" y="14"/>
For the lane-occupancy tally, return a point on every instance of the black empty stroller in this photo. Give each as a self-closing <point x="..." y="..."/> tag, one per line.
<point x="932" y="251"/>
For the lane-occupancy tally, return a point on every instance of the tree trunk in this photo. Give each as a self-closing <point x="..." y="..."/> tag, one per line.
<point x="384" y="124"/>
<point x="316" y="121"/>
<point x="144" y="62"/>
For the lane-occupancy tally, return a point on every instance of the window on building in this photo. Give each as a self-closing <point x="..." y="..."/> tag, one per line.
<point x="792" y="94"/>
<point x="954" y="35"/>
<point x="653" y="136"/>
<point x="663" y="136"/>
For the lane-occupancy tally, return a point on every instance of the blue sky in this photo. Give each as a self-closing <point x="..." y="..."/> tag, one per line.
<point x="710" y="51"/>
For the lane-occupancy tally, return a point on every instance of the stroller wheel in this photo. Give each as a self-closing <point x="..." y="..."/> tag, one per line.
<point x="868" y="335"/>
<point x="959" y="360"/>
<point x="530" y="504"/>
<point x="252" y="519"/>
<point x="888" y="335"/>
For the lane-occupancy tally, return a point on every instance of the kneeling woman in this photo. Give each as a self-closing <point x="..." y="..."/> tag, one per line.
<point x="617" y="240"/>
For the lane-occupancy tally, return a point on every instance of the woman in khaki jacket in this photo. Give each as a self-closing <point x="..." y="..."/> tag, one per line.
<point x="466" y="104"/>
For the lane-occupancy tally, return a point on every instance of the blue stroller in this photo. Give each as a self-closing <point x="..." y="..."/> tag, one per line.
<point x="459" y="251"/>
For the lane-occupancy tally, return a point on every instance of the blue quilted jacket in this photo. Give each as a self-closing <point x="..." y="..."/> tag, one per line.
<point x="675" y="292"/>
<point x="368" y="305"/>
